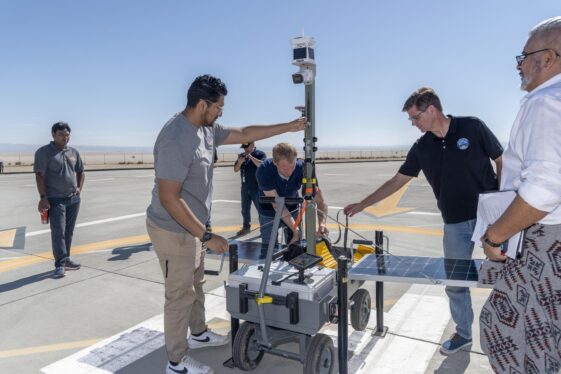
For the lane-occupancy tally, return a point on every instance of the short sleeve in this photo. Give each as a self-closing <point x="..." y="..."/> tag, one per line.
<point x="79" y="168"/>
<point x="171" y="159"/>
<point x="40" y="162"/>
<point x="220" y="134"/>
<point x="491" y="144"/>
<point x="264" y="178"/>
<point x="411" y="166"/>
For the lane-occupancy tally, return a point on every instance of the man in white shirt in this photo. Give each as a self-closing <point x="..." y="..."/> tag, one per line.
<point x="521" y="320"/>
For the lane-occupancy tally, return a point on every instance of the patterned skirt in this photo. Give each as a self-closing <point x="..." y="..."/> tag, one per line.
<point x="521" y="320"/>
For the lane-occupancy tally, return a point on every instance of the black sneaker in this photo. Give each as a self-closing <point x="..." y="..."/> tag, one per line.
<point x="59" y="272"/>
<point x="71" y="265"/>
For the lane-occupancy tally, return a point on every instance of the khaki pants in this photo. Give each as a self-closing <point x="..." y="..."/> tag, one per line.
<point x="181" y="258"/>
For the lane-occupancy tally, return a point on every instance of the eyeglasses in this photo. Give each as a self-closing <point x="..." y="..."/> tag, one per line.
<point x="220" y="108"/>
<point x="417" y="116"/>
<point x="520" y="58"/>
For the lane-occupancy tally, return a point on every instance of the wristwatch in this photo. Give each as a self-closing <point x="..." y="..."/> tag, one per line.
<point x="42" y="196"/>
<point x="490" y="243"/>
<point x="206" y="237"/>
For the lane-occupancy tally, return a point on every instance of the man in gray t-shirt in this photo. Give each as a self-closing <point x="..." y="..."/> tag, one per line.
<point x="59" y="174"/>
<point x="176" y="217"/>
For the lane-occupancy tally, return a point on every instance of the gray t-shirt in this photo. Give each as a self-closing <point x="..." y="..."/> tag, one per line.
<point x="60" y="167"/>
<point x="184" y="153"/>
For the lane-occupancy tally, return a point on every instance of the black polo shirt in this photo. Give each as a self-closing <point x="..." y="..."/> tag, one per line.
<point x="458" y="166"/>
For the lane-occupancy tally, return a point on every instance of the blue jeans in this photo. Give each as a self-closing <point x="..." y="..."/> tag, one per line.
<point x="248" y="196"/>
<point x="457" y="244"/>
<point x="266" y="228"/>
<point x="62" y="216"/>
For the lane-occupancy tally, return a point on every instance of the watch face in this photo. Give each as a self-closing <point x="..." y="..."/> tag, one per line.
<point x="207" y="236"/>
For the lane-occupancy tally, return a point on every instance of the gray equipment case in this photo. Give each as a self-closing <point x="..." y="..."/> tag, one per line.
<point x="302" y="308"/>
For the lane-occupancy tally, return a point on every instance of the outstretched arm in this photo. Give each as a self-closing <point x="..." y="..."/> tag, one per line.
<point x="257" y="132"/>
<point x="389" y="187"/>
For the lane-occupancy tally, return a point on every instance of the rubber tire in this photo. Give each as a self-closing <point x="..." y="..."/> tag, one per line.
<point x="244" y="352"/>
<point x="360" y="311"/>
<point x="321" y="356"/>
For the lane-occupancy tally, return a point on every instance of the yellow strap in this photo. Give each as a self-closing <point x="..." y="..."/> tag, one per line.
<point x="264" y="300"/>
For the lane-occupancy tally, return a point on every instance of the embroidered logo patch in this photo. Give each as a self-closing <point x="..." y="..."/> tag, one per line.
<point x="462" y="144"/>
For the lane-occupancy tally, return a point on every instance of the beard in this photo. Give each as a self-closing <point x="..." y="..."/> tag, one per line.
<point x="526" y="79"/>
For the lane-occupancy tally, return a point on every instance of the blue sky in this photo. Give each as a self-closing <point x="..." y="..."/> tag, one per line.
<point x="117" y="70"/>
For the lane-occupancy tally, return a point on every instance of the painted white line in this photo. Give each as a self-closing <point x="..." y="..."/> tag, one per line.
<point x="30" y="185"/>
<point x="424" y="213"/>
<point x="112" y="354"/>
<point x="113" y="219"/>
<point x="335" y="207"/>
<point x="9" y="258"/>
<point x="420" y="315"/>
<point x="416" y="323"/>
<point x="101" y="180"/>
<point x="85" y="224"/>
<point x="144" y="176"/>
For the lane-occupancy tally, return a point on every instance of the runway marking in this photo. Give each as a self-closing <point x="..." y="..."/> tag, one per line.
<point x="416" y="323"/>
<point x="85" y="224"/>
<point x="47" y="348"/>
<point x="388" y="206"/>
<point x="48" y="255"/>
<point x="7" y="238"/>
<point x="101" y="180"/>
<point x="424" y="213"/>
<point x="140" y="239"/>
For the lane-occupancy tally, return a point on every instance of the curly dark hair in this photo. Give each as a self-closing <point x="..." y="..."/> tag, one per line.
<point x="60" y="126"/>
<point x="205" y="87"/>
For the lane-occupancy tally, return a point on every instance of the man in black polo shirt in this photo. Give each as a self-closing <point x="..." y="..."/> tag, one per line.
<point x="247" y="164"/>
<point x="59" y="174"/>
<point x="455" y="156"/>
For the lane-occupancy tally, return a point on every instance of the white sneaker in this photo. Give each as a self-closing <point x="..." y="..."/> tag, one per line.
<point x="207" y="339"/>
<point x="189" y="365"/>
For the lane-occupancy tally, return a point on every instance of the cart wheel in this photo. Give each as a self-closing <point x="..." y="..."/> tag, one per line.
<point x="320" y="357"/>
<point x="360" y="310"/>
<point x="245" y="352"/>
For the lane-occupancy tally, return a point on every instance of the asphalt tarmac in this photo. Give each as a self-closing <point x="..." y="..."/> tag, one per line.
<point x="44" y="320"/>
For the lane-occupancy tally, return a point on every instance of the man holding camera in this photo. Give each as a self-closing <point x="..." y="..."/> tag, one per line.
<point x="247" y="163"/>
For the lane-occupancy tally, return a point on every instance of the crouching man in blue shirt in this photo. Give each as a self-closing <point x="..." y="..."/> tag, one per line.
<point x="282" y="176"/>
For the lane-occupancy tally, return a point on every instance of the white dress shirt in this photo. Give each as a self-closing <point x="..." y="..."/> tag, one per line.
<point x="532" y="158"/>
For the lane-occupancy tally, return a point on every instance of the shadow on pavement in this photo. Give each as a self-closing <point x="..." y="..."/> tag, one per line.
<point x="25" y="281"/>
<point x="124" y="253"/>
<point x="454" y="364"/>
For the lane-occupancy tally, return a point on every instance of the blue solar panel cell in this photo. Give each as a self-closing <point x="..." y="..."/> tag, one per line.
<point x="416" y="269"/>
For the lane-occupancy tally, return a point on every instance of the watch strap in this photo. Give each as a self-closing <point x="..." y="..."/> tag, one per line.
<point x="491" y="243"/>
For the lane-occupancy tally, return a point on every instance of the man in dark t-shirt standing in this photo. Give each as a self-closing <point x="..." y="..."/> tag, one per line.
<point x="455" y="156"/>
<point x="59" y="174"/>
<point x="247" y="164"/>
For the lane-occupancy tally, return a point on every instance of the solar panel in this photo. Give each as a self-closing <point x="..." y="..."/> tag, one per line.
<point x="415" y="269"/>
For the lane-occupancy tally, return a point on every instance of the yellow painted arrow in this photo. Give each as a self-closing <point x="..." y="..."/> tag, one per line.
<point x="7" y="238"/>
<point x="388" y="206"/>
